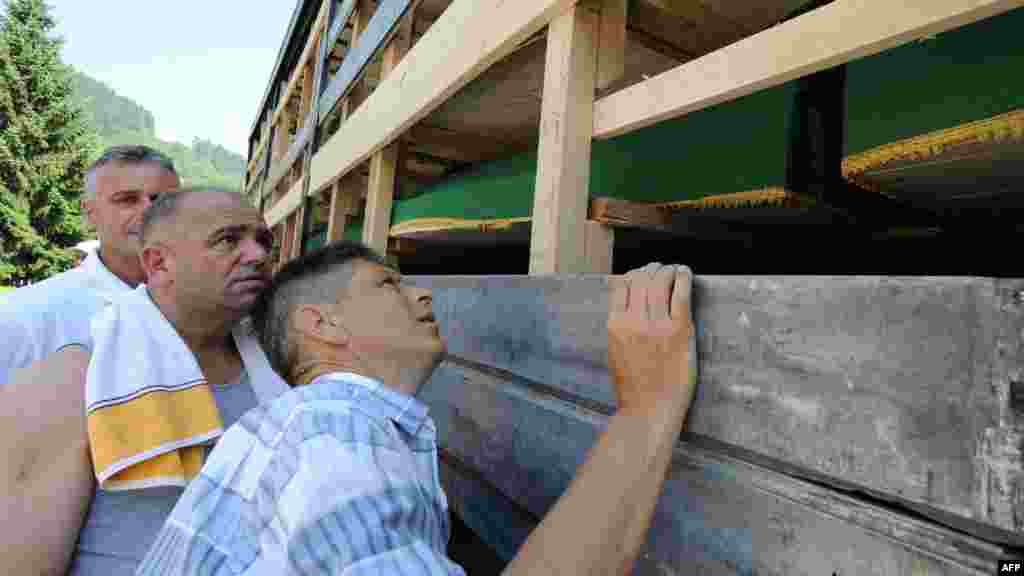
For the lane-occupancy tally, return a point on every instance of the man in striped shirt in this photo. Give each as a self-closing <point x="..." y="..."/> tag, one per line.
<point x="340" y="475"/>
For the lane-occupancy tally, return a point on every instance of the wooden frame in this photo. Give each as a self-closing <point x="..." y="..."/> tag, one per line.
<point x="836" y="33"/>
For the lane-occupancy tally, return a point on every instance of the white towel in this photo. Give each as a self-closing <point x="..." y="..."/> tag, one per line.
<point x="149" y="408"/>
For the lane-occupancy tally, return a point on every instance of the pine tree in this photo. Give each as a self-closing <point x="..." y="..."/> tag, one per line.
<point x="46" y="141"/>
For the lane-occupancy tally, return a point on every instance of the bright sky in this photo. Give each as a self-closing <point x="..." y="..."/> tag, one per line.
<point x="200" y="66"/>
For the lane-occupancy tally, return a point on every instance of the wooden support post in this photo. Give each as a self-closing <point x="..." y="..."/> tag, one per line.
<point x="343" y="199"/>
<point x="611" y="39"/>
<point x="558" y="237"/>
<point x="288" y="233"/>
<point x="384" y="165"/>
<point x="299" y="226"/>
<point x="307" y="91"/>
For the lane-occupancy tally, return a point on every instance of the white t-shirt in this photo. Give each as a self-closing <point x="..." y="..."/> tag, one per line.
<point x="38" y="320"/>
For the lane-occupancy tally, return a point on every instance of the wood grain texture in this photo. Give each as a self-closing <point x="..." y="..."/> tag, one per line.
<point x="838" y="32"/>
<point x="431" y="73"/>
<point x="557" y="243"/>
<point x="715" y="515"/>
<point x="891" y="386"/>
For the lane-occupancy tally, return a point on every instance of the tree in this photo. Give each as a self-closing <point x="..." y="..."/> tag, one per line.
<point x="45" y="144"/>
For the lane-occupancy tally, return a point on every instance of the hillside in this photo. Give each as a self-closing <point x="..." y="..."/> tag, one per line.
<point x="120" y="120"/>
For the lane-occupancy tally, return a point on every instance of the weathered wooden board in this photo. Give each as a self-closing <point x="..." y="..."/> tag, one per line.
<point x="715" y="515"/>
<point x="382" y="23"/>
<point x="899" y="387"/>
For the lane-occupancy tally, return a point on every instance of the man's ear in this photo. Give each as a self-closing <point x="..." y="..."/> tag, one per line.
<point x="155" y="263"/>
<point x="88" y="205"/>
<point x="320" y="324"/>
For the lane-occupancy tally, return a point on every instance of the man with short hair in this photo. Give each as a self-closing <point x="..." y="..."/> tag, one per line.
<point x="340" y="475"/>
<point x="40" y="319"/>
<point x="205" y="258"/>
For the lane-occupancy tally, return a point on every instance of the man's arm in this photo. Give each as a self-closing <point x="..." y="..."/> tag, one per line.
<point x="46" y="479"/>
<point x="599" y="524"/>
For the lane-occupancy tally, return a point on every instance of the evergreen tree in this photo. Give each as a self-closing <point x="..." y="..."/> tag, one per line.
<point x="45" y="144"/>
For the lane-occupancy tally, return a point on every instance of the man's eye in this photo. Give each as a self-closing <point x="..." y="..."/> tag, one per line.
<point x="229" y="240"/>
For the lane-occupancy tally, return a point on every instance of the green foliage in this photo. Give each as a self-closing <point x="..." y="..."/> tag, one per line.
<point x="45" y="144"/>
<point x="121" y="120"/>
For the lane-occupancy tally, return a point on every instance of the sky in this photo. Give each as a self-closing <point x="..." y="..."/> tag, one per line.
<point x="201" y="67"/>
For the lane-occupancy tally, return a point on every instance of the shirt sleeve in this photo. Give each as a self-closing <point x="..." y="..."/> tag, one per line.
<point x="18" y="343"/>
<point x="350" y="501"/>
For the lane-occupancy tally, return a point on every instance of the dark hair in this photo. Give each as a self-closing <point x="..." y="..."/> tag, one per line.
<point x="310" y="279"/>
<point x="167" y="204"/>
<point x="132" y="153"/>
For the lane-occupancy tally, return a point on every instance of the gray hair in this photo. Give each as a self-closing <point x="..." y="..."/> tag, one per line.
<point x="313" y="278"/>
<point x="131" y="153"/>
<point x="166" y="206"/>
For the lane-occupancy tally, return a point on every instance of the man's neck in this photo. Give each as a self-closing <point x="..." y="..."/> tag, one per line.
<point x="127" y="268"/>
<point x="392" y="375"/>
<point x="204" y="333"/>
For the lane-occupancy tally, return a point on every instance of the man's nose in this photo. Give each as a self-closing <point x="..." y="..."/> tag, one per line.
<point x="253" y="252"/>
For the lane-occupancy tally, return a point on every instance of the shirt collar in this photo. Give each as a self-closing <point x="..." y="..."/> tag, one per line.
<point x="106" y="280"/>
<point x="408" y="412"/>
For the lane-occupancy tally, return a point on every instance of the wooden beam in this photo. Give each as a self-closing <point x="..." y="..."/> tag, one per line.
<point x="299" y="226"/>
<point x="836" y="33"/>
<point x="343" y="205"/>
<point x="284" y="206"/>
<point x="384" y="165"/>
<point x="431" y="73"/>
<point x="611" y="51"/>
<point x="368" y="39"/>
<point x="557" y="235"/>
<point x="717" y="515"/>
<point x="307" y="53"/>
<point x="896" y="388"/>
<point x="617" y="213"/>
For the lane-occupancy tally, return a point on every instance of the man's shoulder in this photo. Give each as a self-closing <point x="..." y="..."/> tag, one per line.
<point x="62" y="290"/>
<point x="323" y="409"/>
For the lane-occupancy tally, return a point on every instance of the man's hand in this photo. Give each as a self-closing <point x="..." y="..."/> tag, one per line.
<point x="650" y="329"/>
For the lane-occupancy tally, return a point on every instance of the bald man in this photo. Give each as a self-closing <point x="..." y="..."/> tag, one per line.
<point x="205" y="257"/>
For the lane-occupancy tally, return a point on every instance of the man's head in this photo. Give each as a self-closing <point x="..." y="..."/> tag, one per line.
<point x="342" y="306"/>
<point x="208" y="249"/>
<point x="119" y="186"/>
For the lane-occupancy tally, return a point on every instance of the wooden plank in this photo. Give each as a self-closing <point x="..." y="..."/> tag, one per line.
<point x="557" y="237"/>
<point x="285" y="205"/>
<point x="306" y="55"/>
<point x="339" y="22"/>
<point x="295" y="149"/>
<point x="716" y="514"/>
<point x="385" y="164"/>
<point x="298" y="226"/>
<point x="895" y="387"/>
<point x="611" y="51"/>
<point x="836" y="33"/>
<point x="431" y="73"/>
<point x="618" y="213"/>
<point x="597" y="247"/>
<point x="379" y="28"/>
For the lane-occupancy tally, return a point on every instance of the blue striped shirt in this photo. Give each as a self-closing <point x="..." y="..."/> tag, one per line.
<point x="338" y="476"/>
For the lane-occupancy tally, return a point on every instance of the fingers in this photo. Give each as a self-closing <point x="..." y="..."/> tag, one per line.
<point x="619" y="301"/>
<point x="659" y="292"/>
<point x="681" y="293"/>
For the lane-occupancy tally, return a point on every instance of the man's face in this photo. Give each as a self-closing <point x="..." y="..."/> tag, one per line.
<point x="123" y="191"/>
<point x="383" y="316"/>
<point x="218" y="253"/>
